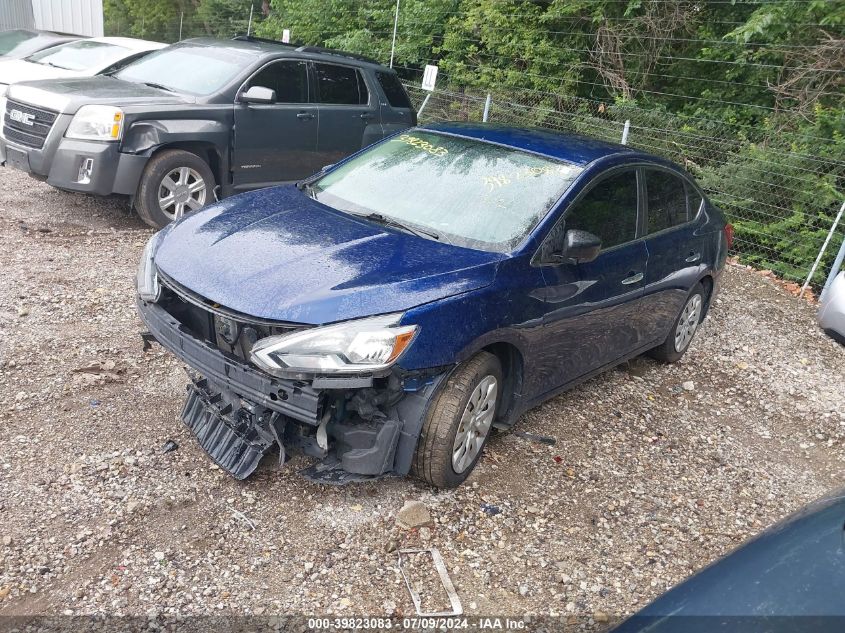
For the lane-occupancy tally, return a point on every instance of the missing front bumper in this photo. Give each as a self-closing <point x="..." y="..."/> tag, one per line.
<point x="237" y="412"/>
<point x="235" y="439"/>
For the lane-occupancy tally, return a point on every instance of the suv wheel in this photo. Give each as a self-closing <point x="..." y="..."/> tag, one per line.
<point x="174" y="182"/>
<point x="684" y="327"/>
<point x="459" y="422"/>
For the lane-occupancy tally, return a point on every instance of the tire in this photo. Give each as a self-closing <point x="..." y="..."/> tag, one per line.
<point x="434" y="460"/>
<point x="683" y="328"/>
<point x="183" y="176"/>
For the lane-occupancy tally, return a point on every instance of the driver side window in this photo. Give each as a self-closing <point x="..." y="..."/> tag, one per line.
<point x="288" y="78"/>
<point x="608" y="210"/>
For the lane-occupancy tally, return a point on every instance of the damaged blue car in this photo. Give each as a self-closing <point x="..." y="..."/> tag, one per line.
<point x="385" y="314"/>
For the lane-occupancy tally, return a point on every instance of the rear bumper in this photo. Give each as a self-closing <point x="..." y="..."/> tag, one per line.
<point x="832" y="311"/>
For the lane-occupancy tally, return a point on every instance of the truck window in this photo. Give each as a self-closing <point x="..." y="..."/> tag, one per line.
<point x="340" y="85"/>
<point x="667" y="200"/>
<point x="288" y="78"/>
<point x="393" y="90"/>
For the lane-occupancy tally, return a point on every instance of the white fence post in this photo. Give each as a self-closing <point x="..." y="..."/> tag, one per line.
<point x="395" y="27"/>
<point x="625" y="131"/>
<point x="181" y="18"/>
<point x="823" y="249"/>
<point x="424" y="104"/>
<point x="487" y="103"/>
<point x="249" y="26"/>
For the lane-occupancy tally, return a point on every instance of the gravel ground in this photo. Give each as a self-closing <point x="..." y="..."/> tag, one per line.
<point x="657" y="469"/>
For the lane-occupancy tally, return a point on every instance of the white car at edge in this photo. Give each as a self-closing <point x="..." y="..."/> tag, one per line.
<point x="81" y="58"/>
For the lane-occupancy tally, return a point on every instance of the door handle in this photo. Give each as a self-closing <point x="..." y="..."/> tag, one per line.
<point x="366" y="115"/>
<point x="693" y="257"/>
<point x="305" y="115"/>
<point x="634" y="278"/>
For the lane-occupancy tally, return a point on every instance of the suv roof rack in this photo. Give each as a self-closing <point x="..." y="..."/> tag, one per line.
<point x="299" y="48"/>
<point x="331" y="51"/>
<point x="264" y="40"/>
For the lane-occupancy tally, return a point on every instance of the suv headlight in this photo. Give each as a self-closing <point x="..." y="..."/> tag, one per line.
<point x="362" y="345"/>
<point x="146" y="279"/>
<point x="4" y="90"/>
<point x="96" y="123"/>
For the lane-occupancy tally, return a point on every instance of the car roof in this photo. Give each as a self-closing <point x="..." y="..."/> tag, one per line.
<point x="580" y="150"/>
<point x="268" y="47"/>
<point x="130" y="43"/>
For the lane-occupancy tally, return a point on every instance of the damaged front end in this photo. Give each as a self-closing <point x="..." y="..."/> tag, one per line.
<point x="359" y="426"/>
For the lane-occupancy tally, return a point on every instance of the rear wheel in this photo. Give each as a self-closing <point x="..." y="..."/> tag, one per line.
<point x="174" y="182"/>
<point x="684" y="327"/>
<point x="459" y="422"/>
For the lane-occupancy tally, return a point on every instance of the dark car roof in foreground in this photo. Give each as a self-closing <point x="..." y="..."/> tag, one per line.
<point x="580" y="150"/>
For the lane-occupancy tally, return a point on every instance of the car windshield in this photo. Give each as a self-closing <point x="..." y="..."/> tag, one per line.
<point x="13" y="41"/>
<point x="195" y="70"/>
<point x="467" y="192"/>
<point x="81" y="55"/>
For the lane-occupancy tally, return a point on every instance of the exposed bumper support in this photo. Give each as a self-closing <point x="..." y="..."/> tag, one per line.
<point x="237" y="412"/>
<point x="292" y="398"/>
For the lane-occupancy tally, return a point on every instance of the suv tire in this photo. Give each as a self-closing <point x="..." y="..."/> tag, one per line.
<point x="683" y="328"/>
<point x="462" y="414"/>
<point x="174" y="182"/>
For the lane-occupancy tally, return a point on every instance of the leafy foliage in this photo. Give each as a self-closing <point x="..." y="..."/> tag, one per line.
<point x="748" y="95"/>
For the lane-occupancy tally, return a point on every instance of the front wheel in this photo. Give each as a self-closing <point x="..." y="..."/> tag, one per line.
<point x="683" y="329"/>
<point x="174" y="182"/>
<point x="459" y="421"/>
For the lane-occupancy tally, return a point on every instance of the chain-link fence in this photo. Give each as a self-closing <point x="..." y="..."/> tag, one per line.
<point x="780" y="182"/>
<point x="764" y="198"/>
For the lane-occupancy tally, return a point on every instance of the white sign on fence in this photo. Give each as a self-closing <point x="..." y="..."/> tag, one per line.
<point x="286" y="36"/>
<point x="429" y="77"/>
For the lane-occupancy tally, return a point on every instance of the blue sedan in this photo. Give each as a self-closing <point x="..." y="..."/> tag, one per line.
<point x="385" y="314"/>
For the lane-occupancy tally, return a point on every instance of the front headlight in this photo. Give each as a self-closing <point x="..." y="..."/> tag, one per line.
<point x="146" y="279"/>
<point x="363" y="345"/>
<point x="4" y="90"/>
<point x="96" y="123"/>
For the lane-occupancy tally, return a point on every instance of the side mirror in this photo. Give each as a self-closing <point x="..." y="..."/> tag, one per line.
<point x="580" y="246"/>
<point x="258" y="94"/>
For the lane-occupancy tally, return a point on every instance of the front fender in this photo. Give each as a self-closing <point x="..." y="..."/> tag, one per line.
<point x="144" y="136"/>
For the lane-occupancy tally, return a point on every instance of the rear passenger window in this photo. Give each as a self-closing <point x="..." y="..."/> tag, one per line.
<point x="341" y="85"/>
<point x="694" y="201"/>
<point x="667" y="200"/>
<point x="289" y="79"/>
<point x="393" y="90"/>
<point x="608" y="210"/>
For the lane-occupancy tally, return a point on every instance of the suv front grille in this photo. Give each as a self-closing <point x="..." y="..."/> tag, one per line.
<point x="225" y="329"/>
<point x="27" y="125"/>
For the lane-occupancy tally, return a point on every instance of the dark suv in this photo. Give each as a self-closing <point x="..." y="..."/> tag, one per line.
<point x="200" y="119"/>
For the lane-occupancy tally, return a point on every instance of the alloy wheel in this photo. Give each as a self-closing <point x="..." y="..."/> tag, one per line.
<point x="182" y="188"/>
<point x="475" y="423"/>
<point x="688" y="323"/>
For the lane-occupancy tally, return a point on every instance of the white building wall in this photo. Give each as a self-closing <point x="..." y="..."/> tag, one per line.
<point x="81" y="17"/>
<point x="16" y="14"/>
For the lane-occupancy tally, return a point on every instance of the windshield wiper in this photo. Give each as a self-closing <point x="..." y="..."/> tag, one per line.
<point x="159" y="86"/>
<point x="383" y="219"/>
<point x="54" y="65"/>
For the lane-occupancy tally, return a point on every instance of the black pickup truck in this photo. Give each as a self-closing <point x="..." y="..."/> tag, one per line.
<point x="201" y="119"/>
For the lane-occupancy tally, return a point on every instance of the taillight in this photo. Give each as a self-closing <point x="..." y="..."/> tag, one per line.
<point x="729" y="235"/>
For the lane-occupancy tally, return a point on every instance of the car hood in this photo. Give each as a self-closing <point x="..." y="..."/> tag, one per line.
<point x="15" y="70"/>
<point x="793" y="570"/>
<point x="277" y="254"/>
<point x="69" y="94"/>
